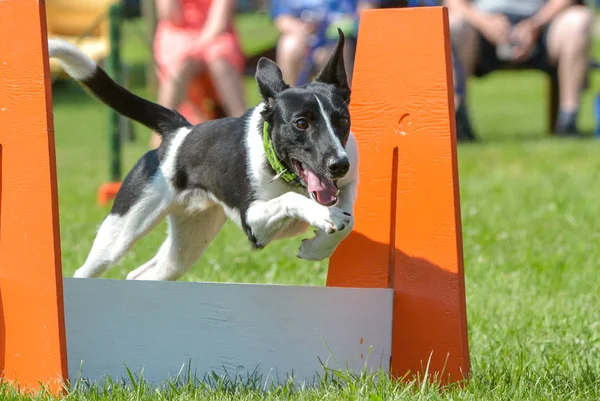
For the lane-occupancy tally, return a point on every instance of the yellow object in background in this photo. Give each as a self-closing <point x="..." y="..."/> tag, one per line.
<point x="84" y="23"/>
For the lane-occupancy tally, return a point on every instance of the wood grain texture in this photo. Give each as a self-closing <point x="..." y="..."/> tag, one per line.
<point x="407" y="233"/>
<point x="161" y="326"/>
<point x="32" y="342"/>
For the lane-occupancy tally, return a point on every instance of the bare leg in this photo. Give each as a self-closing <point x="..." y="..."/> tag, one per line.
<point x="229" y="85"/>
<point x="569" y="40"/>
<point x="172" y="92"/>
<point x="464" y="40"/>
<point x="291" y="54"/>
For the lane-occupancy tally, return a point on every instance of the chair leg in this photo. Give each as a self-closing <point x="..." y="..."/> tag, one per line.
<point x="553" y="104"/>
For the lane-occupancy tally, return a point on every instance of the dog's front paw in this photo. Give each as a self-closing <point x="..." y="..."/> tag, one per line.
<point x="322" y="245"/>
<point x="331" y="219"/>
<point x="315" y="249"/>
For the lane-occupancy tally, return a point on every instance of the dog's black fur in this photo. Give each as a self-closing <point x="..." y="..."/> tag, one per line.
<point x="309" y="127"/>
<point x="204" y="160"/>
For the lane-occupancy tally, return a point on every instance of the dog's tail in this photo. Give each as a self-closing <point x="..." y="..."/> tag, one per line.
<point x="80" y="67"/>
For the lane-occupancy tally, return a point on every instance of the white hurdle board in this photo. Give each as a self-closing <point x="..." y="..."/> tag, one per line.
<point x="274" y="330"/>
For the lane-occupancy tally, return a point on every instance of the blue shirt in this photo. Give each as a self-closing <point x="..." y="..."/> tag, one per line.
<point x="296" y="8"/>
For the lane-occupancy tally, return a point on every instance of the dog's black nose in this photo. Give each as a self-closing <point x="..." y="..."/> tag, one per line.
<point x="339" y="167"/>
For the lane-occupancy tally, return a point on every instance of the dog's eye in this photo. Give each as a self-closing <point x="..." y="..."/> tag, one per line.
<point x="343" y="122"/>
<point x="301" y="123"/>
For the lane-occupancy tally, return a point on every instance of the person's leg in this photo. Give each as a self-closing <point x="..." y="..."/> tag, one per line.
<point x="568" y="42"/>
<point x="171" y="90"/>
<point x="291" y="55"/>
<point x="465" y="43"/>
<point x="229" y="86"/>
<point x="465" y="46"/>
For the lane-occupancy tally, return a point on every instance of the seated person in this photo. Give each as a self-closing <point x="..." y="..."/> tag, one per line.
<point x="195" y="40"/>
<point x="309" y="32"/>
<point x="553" y="36"/>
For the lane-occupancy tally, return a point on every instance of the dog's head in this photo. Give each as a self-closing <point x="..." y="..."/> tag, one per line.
<point x="310" y="124"/>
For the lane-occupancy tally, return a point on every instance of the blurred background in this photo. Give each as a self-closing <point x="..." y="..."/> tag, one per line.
<point x="530" y="198"/>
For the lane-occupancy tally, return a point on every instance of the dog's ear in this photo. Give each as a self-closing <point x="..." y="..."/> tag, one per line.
<point x="269" y="79"/>
<point x="334" y="71"/>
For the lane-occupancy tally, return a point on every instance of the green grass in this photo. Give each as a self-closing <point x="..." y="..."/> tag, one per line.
<point x="531" y="225"/>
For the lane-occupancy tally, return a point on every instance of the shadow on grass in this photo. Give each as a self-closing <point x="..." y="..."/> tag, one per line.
<point x="429" y="325"/>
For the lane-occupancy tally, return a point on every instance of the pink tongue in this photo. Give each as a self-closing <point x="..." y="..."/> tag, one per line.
<point x="324" y="188"/>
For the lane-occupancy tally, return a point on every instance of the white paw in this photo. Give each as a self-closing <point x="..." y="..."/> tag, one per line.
<point x="330" y="219"/>
<point x="322" y="245"/>
<point x="316" y="248"/>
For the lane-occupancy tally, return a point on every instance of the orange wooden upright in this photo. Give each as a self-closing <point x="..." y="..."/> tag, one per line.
<point x="407" y="233"/>
<point x="32" y="337"/>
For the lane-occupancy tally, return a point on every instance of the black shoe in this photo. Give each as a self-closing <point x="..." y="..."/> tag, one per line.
<point x="566" y="125"/>
<point x="568" y="134"/>
<point x="567" y="131"/>
<point x="464" y="131"/>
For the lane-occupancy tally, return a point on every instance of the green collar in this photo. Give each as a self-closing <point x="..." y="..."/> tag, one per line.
<point x="280" y="170"/>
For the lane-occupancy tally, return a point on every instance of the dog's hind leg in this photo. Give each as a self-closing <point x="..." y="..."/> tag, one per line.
<point x="151" y="264"/>
<point x="188" y="237"/>
<point x="118" y="233"/>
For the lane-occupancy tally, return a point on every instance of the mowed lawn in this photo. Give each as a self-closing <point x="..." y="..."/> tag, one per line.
<point x="531" y="226"/>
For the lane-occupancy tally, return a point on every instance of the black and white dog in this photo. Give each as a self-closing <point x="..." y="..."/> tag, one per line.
<point x="280" y="167"/>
